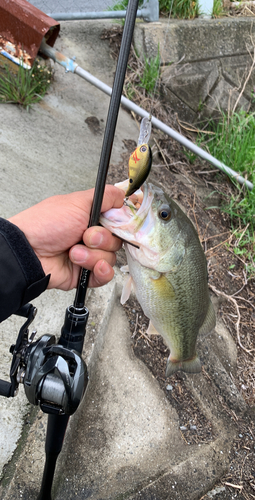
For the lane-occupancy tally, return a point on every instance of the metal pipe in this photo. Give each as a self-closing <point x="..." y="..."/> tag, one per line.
<point x="75" y="16"/>
<point x="149" y="11"/>
<point x="69" y="65"/>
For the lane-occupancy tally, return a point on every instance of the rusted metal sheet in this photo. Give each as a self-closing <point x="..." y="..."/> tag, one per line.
<point x="22" y="28"/>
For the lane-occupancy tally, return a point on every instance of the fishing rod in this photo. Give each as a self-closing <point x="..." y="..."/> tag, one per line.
<point x="54" y="374"/>
<point x="74" y="328"/>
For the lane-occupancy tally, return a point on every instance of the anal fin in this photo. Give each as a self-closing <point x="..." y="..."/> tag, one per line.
<point x="126" y="291"/>
<point x="152" y="330"/>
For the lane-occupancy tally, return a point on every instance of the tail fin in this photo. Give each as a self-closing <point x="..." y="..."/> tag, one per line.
<point x="189" y="366"/>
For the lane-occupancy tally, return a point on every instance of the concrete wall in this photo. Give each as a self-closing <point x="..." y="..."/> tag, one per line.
<point x="205" y="63"/>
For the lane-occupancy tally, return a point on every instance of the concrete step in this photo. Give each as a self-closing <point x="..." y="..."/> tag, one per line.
<point x="125" y="439"/>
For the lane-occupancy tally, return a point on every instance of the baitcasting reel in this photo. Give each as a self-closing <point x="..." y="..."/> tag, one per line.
<point x="54" y="377"/>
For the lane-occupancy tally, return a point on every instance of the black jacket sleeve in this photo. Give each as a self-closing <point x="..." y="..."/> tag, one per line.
<point x="21" y="275"/>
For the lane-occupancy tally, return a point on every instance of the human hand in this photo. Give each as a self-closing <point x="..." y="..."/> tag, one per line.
<point x="56" y="226"/>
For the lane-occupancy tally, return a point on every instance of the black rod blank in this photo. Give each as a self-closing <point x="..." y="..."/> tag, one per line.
<point x="108" y="137"/>
<point x="57" y="424"/>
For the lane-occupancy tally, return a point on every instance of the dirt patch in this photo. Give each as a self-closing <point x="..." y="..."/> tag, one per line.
<point x="183" y="181"/>
<point x="197" y="186"/>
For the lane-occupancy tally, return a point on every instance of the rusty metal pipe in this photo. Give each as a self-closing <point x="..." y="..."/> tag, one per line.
<point x="70" y="65"/>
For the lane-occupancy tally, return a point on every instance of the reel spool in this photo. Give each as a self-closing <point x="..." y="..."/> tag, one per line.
<point x="55" y="377"/>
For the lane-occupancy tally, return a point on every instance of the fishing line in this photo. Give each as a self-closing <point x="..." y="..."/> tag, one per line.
<point x="74" y="327"/>
<point x="160" y="62"/>
<point x="140" y="161"/>
<point x="108" y="138"/>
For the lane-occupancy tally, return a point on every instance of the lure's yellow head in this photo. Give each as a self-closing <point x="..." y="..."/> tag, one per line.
<point x="139" y="166"/>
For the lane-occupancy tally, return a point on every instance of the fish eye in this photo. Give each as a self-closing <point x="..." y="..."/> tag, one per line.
<point x="165" y="213"/>
<point x="143" y="149"/>
<point x="130" y="180"/>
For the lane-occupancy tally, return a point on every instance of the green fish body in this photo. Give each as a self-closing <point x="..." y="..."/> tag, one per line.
<point x="168" y="273"/>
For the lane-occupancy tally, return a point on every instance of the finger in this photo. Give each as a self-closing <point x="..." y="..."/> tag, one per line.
<point x="113" y="198"/>
<point x="99" y="237"/>
<point x="87" y="257"/>
<point x="101" y="275"/>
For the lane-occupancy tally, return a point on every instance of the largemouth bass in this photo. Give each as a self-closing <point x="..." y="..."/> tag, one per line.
<point x="168" y="273"/>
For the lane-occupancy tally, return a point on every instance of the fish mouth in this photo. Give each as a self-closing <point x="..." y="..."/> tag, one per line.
<point x="134" y="223"/>
<point x="140" y="205"/>
<point x="126" y="222"/>
<point x="123" y="222"/>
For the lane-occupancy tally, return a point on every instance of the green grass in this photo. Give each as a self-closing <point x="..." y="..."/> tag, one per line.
<point x="218" y="9"/>
<point x="26" y="87"/>
<point x="187" y="9"/>
<point x="150" y="74"/>
<point x="233" y="143"/>
<point x="123" y="5"/>
<point x="180" y="9"/>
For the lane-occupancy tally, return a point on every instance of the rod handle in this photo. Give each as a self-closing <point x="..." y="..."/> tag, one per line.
<point x="5" y="389"/>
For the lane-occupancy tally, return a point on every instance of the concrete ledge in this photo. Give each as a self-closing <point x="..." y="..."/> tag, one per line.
<point x="204" y="63"/>
<point x="124" y="440"/>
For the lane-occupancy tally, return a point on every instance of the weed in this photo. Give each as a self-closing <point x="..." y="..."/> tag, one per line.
<point x="191" y="156"/>
<point x="181" y="9"/>
<point x="150" y="74"/>
<point x="129" y="91"/>
<point x="233" y="144"/>
<point x="187" y="9"/>
<point x="119" y="5"/>
<point x="201" y="105"/>
<point x="218" y="10"/>
<point x="26" y="87"/>
<point x="233" y="141"/>
<point x="122" y="5"/>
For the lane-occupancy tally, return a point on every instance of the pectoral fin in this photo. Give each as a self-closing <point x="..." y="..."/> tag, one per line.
<point x="127" y="288"/>
<point x="124" y="269"/>
<point x="163" y="287"/>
